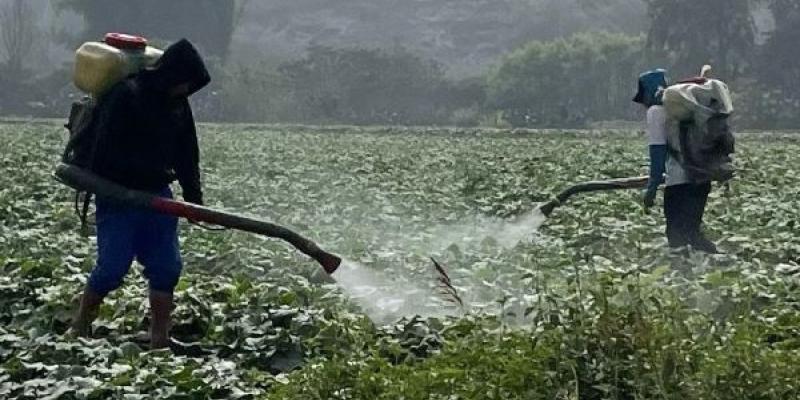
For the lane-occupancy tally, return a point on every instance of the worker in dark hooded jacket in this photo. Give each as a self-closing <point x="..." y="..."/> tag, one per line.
<point x="146" y="139"/>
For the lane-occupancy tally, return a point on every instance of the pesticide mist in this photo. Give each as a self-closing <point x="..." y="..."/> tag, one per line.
<point x="505" y="233"/>
<point x="393" y="292"/>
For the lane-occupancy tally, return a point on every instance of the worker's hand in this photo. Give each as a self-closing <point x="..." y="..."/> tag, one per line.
<point x="193" y="196"/>
<point x="649" y="199"/>
<point x="194" y="200"/>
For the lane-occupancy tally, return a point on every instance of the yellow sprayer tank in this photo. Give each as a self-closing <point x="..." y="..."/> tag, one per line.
<point x="100" y="65"/>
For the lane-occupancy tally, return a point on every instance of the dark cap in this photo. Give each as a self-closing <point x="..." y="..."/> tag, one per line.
<point x="650" y="83"/>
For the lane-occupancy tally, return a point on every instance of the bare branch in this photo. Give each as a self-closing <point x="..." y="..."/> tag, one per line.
<point x="241" y="7"/>
<point x="17" y="33"/>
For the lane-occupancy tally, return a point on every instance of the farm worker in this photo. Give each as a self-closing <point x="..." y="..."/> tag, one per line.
<point x="684" y="202"/>
<point x="146" y="139"/>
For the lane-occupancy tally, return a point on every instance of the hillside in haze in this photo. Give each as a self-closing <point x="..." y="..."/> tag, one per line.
<point x="466" y="35"/>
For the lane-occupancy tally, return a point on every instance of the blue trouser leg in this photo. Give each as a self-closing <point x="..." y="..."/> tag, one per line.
<point x="125" y="233"/>
<point x="116" y="231"/>
<point x="158" y="250"/>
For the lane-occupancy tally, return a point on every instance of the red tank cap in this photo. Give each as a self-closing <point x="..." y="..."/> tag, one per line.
<point x="123" y="41"/>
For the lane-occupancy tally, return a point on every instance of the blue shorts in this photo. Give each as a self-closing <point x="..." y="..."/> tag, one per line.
<point x="127" y="233"/>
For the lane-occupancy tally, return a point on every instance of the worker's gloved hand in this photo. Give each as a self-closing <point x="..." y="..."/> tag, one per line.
<point x="649" y="198"/>
<point x="194" y="197"/>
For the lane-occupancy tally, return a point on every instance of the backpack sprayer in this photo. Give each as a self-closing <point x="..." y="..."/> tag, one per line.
<point x="83" y="180"/>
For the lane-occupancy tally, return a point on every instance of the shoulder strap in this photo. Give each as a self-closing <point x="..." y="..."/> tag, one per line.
<point x="82" y="211"/>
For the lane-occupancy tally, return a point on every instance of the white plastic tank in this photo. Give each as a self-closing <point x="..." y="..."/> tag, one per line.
<point x="100" y="65"/>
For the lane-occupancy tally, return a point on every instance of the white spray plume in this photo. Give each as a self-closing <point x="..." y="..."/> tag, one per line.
<point x="385" y="299"/>
<point x="506" y="233"/>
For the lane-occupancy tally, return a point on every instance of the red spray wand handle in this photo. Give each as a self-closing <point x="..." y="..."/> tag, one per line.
<point x="81" y="179"/>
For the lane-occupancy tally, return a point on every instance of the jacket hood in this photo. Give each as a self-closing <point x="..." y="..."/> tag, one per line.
<point x="181" y="63"/>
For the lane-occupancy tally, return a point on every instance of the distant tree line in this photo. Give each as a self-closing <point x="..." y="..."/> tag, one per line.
<point x="352" y="86"/>
<point x="210" y="23"/>
<point x="590" y="77"/>
<point x="566" y="82"/>
<point x="685" y="34"/>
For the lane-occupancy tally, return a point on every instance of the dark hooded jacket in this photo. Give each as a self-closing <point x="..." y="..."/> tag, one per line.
<point x="145" y="138"/>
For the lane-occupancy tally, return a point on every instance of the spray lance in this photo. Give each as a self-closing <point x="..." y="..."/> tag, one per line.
<point x="83" y="180"/>
<point x="638" y="182"/>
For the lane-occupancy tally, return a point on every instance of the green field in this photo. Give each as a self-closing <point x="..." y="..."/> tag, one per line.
<point x="589" y="306"/>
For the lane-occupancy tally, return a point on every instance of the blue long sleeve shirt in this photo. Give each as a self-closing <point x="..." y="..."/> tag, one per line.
<point x="658" y="162"/>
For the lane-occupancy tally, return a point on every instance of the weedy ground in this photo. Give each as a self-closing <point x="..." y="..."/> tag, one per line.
<point x="591" y="307"/>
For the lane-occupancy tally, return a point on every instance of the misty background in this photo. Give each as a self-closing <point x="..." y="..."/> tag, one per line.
<point x="500" y="63"/>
